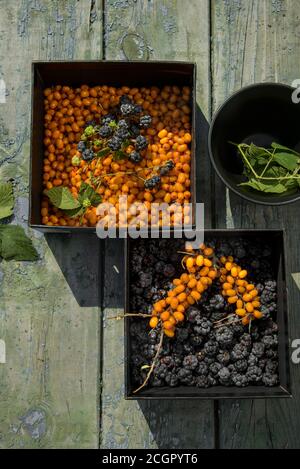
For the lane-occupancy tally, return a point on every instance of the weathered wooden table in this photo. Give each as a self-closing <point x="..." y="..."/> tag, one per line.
<point x="62" y="384"/>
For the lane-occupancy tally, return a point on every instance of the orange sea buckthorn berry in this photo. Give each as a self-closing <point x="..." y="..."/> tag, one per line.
<point x="232" y="299"/>
<point x="169" y="333"/>
<point x="253" y="293"/>
<point x="256" y="303"/>
<point x="243" y="274"/>
<point x="228" y="266"/>
<point x="190" y="262"/>
<point x="239" y="304"/>
<point x="182" y="297"/>
<point x="192" y="283"/>
<point x="240" y="312"/>
<point x="168" y="325"/>
<point x="179" y="316"/>
<point x="208" y="252"/>
<point x="207" y="262"/>
<point x="250" y="287"/>
<point x="246" y="320"/>
<point x="230" y="279"/>
<point x="249" y="307"/>
<point x="199" y="261"/>
<point x="153" y="322"/>
<point x="247" y="297"/>
<point x="165" y="316"/>
<point x="227" y="285"/>
<point x="230" y="292"/>
<point x="196" y="295"/>
<point x="257" y="314"/>
<point x="234" y="272"/>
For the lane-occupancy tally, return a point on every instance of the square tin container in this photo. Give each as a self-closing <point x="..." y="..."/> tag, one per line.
<point x="93" y="73"/>
<point x="276" y="240"/>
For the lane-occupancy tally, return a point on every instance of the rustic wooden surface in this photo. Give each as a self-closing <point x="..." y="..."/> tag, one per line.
<point x="62" y="385"/>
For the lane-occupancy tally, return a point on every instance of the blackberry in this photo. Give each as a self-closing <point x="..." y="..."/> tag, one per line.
<point x="141" y="143"/>
<point x="127" y="109"/>
<point x="108" y="119"/>
<point x="212" y="381"/>
<point x="203" y="326"/>
<point x="271" y="354"/>
<point x="166" y="168"/>
<point x="270" y="341"/>
<point x="134" y="130"/>
<point x="171" y="380"/>
<point x="124" y="99"/>
<point x="270" y="379"/>
<point x="145" y="279"/>
<point x="156" y="382"/>
<point x="214" y="368"/>
<point x="211" y="348"/>
<point x="258" y="349"/>
<point x="182" y="334"/>
<point x="115" y="143"/>
<point x="160" y="371"/>
<point x="196" y="340"/>
<point x="88" y="154"/>
<point x="168" y="270"/>
<point x="122" y="133"/>
<point x="223" y="357"/>
<point x="184" y="375"/>
<point x="152" y="182"/>
<point x="246" y="340"/>
<point x="202" y="382"/>
<point x="239" y="380"/>
<point x="190" y="362"/>
<point x="224" y="376"/>
<point x="145" y="121"/>
<point x="254" y="374"/>
<point x="188" y="348"/>
<point x="105" y="131"/>
<point x="202" y="369"/>
<point x="137" y="109"/>
<point x="135" y="157"/>
<point x="271" y="367"/>
<point x="239" y="352"/>
<point x="193" y="314"/>
<point x="224" y="336"/>
<point x="81" y="146"/>
<point x="241" y="365"/>
<point x="217" y="302"/>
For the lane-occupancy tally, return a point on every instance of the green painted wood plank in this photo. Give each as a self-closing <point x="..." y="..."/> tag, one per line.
<point x="151" y="30"/>
<point x="49" y="316"/>
<point x="252" y="42"/>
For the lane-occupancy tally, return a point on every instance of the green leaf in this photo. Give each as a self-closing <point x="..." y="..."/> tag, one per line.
<point x="104" y="152"/>
<point x="75" y="212"/>
<point x="287" y="160"/>
<point x="276" y="188"/>
<point x="62" y="198"/>
<point x="87" y="192"/>
<point x="277" y="146"/>
<point x="6" y="199"/>
<point x="120" y="155"/>
<point x="15" y="245"/>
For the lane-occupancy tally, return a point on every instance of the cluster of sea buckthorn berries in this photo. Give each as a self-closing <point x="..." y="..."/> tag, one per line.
<point x="188" y="289"/>
<point x="238" y="291"/>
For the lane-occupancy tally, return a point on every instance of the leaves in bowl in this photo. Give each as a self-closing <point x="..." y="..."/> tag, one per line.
<point x="274" y="170"/>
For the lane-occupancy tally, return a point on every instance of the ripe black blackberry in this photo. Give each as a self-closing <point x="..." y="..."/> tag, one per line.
<point x="203" y="326"/>
<point x="88" y="154"/>
<point x="202" y="369"/>
<point x="171" y="379"/>
<point x="134" y="130"/>
<point x="211" y="348"/>
<point x="125" y="99"/>
<point x="254" y="374"/>
<point x="152" y="182"/>
<point x="271" y="367"/>
<point x="127" y="109"/>
<point x="166" y="168"/>
<point x="193" y="314"/>
<point x="107" y="119"/>
<point x="270" y="379"/>
<point x="135" y="157"/>
<point x="190" y="362"/>
<point x="114" y="143"/>
<point x="145" y="279"/>
<point x="258" y="349"/>
<point x="224" y="336"/>
<point x="81" y="146"/>
<point x="141" y="143"/>
<point x="182" y="334"/>
<point x="214" y="368"/>
<point x="223" y="357"/>
<point x="270" y="341"/>
<point x="239" y="352"/>
<point x="184" y="375"/>
<point x="168" y="270"/>
<point x="246" y="340"/>
<point x="196" y="340"/>
<point x="224" y="376"/>
<point x="145" y="121"/>
<point x="241" y="365"/>
<point x="239" y="380"/>
<point x="105" y="131"/>
<point x="202" y="382"/>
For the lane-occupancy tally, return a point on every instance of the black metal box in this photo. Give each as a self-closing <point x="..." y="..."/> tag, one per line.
<point x="113" y="73"/>
<point x="275" y="240"/>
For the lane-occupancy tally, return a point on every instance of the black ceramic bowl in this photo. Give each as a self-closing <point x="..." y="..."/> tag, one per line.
<point x="261" y="113"/>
